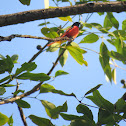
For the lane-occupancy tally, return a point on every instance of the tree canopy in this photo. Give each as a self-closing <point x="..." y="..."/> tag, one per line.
<point x="77" y="83"/>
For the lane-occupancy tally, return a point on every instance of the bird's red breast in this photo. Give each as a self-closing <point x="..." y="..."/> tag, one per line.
<point x="71" y="32"/>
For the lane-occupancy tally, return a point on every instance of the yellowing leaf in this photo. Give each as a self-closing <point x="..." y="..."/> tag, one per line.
<point x="76" y="53"/>
<point x="46" y="2"/>
<point x="68" y="18"/>
<point x="49" y="107"/>
<point x="3" y="119"/>
<point x="114" y="75"/>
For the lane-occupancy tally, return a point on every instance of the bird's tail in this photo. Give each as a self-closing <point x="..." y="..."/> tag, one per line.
<point x="59" y="42"/>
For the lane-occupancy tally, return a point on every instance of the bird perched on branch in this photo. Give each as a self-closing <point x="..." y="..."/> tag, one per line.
<point x="71" y="32"/>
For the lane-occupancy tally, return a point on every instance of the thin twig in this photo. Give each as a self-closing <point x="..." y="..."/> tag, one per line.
<point x="35" y="88"/>
<point x="17" y="87"/>
<point x="58" y="59"/>
<point x="9" y="38"/>
<point x="20" y="109"/>
<point x="22" y="116"/>
<point x="118" y="66"/>
<point x="33" y="58"/>
<point x="90" y="50"/>
<point x="90" y="106"/>
<point x="88" y="17"/>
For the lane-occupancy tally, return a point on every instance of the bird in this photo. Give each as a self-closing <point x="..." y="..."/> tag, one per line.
<point x="71" y="32"/>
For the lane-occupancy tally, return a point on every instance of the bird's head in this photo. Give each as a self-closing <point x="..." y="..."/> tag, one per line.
<point x="76" y="24"/>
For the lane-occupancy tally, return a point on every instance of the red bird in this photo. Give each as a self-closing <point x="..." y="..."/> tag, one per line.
<point x="71" y="32"/>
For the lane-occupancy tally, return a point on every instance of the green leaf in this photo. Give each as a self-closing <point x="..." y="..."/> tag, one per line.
<point x="40" y="121"/>
<point x="34" y="76"/>
<point x="118" y="34"/>
<point x="96" y="25"/>
<point x="113" y="20"/>
<point x="107" y="23"/>
<point x="5" y="78"/>
<point x="49" y="107"/>
<point x="59" y="109"/>
<point x="76" y="53"/>
<point x="2" y="90"/>
<point x="124" y="25"/>
<point x="44" y="23"/>
<point x="68" y="18"/>
<point x="64" y="57"/>
<point x="23" y="104"/>
<point x="101" y="102"/>
<point x="54" y="47"/>
<point x="103" y="116"/>
<point x="7" y="85"/>
<point x="74" y="44"/>
<point x="2" y="57"/>
<point x="88" y="25"/>
<point x="80" y="122"/>
<point x="62" y="93"/>
<point x="25" y="2"/>
<point x="119" y="45"/>
<point x="46" y="88"/>
<point x="117" y="56"/>
<point x="50" y="32"/>
<point x="70" y="117"/>
<point x="120" y="106"/>
<point x="14" y="58"/>
<point x="9" y="63"/>
<point x="10" y="121"/>
<point x="106" y="117"/>
<point x="99" y="27"/>
<point x="60" y="72"/>
<point x="100" y="13"/>
<point x="18" y="91"/>
<point x="26" y="67"/>
<point x="93" y="89"/>
<point x="76" y="3"/>
<point x="6" y="65"/>
<point x="85" y="110"/>
<point x="104" y="60"/>
<point x="3" y="119"/>
<point x="91" y="38"/>
<point x="49" y="88"/>
<point x="65" y="0"/>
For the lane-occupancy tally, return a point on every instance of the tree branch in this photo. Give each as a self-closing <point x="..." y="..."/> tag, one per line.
<point x="26" y="16"/>
<point x="37" y="87"/>
<point x="9" y="38"/>
<point x="19" y="108"/>
<point x="22" y="116"/>
<point x="33" y="58"/>
<point x="35" y="55"/>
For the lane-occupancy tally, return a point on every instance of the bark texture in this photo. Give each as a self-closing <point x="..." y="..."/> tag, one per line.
<point x="26" y="16"/>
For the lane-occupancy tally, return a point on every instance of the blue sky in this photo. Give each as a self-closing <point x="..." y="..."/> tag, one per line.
<point x="80" y="78"/>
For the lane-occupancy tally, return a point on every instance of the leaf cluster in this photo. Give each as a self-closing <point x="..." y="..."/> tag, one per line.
<point x="108" y="114"/>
